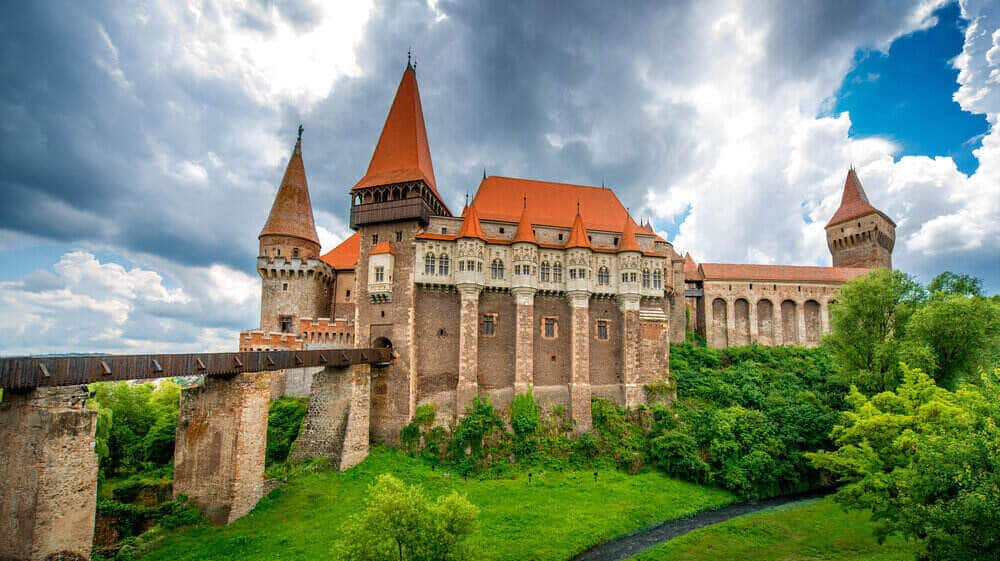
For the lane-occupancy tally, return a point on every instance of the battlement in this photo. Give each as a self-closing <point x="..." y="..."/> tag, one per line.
<point x="258" y="340"/>
<point x="271" y="267"/>
<point x="313" y="333"/>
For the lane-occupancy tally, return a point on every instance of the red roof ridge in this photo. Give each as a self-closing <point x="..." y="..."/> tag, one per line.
<point x="402" y="153"/>
<point x="471" y="228"/>
<point x="578" y="234"/>
<point x="381" y="248"/>
<point x="628" y="243"/>
<point x="525" y="233"/>
<point x="291" y="213"/>
<point x="791" y="273"/>
<point x="345" y="255"/>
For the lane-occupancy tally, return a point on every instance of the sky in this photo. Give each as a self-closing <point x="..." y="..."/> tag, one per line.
<point x="143" y="143"/>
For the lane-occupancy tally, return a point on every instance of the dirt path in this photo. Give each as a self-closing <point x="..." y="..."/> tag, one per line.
<point x="624" y="547"/>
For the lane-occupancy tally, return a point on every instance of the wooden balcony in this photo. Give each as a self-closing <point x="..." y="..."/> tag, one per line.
<point x="390" y="211"/>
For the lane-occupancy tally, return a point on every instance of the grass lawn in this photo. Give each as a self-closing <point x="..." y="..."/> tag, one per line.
<point x="556" y="516"/>
<point x="816" y="530"/>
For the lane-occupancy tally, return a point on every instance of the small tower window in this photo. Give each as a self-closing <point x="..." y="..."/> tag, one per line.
<point x="443" y="264"/>
<point x="645" y="278"/>
<point x="284" y="286"/>
<point x="546" y="271"/>
<point x="399" y="236"/>
<point x="277" y="252"/>
<point x="560" y="237"/>
<point x="658" y="278"/>
<point x="374" y="239"/>
<point x="379" y="274"/>
<point x="429" y="264"/>
<point x="489" y="325"/>
<point x="285" y="323"/>
<point x="295" y="253"/>
<point x="550" y="328"/>
<point x="557" y="272"/>
<point x="602" y="330"/>
<point x="501" y="230"/>
<point x="444" y="229"/>
<point x="603" y="276"/>
<point x="347" y="294"/>
<point x="496" y="269"/>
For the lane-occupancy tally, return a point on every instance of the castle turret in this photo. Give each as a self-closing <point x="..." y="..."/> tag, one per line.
<point x="295" y="284"/>
<point x="858" y="234"/>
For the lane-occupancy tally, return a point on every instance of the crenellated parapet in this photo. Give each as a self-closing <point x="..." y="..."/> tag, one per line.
<point x="290" y="267"/>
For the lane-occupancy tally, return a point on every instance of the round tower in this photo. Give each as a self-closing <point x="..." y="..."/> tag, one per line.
<point x="295" y="284"/>
<point x="858" y="234"/>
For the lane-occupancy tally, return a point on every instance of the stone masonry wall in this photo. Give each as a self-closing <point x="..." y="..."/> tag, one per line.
<point x="437" y="322"/>
<point x="336" y="422"/>
<point x="221" y="437"/>
<point x="606" y="355"/>
<point x="496" y="353"/>
<point x="49" y="472"/>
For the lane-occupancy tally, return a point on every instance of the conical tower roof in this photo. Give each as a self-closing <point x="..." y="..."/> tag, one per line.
<point x="854" y="202"/>
<point x="402" y="153"/>
<point x="629" y="243"/>
<point x="291" y="214"/>
<point x="578" y="234"/>
<point x="525" y="233"/>
<point x="471" y="228"/>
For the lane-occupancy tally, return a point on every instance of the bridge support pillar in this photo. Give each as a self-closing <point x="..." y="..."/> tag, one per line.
<point x="221" y="439"/>
<point x="48" y="474"/>
<point x="337" y="422"/>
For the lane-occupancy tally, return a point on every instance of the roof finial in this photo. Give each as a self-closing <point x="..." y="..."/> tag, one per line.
<point x="409" y="57"/>
<point x="525" y="201"/>
<point x="578" y="207"/>
<point x="466" y="198"/>
<point x="602" y="184"/>
<point x="298" y="142"/>
<point x="301" y="128"/>
<point x="484" y="172"/>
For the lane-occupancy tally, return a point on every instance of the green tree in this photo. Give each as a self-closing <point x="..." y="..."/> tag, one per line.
<point x="400" y="523"/>
<point x="958" y="329"/>
<point x="137" y="424"/>
<point x="956" y="283"/>
<point x="868" y="323"/>
<point x="926" y="462"/>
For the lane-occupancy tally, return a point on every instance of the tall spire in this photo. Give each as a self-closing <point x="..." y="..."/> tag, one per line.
<point x="854" y="202"/>
<point x="578" y="234"/>
<point x="525" y="233"/>
<point x="291" y="214"/>
<point x="402" y="153"/>
<point x="628" y="243"/>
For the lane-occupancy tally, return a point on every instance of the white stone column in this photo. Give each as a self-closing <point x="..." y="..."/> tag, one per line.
<point x="524" y="349"/>
<point x="579" y="385"/>
<point x="468" y="345"/>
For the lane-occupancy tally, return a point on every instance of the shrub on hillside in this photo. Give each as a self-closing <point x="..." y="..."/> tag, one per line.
<point x="284" y="420"/>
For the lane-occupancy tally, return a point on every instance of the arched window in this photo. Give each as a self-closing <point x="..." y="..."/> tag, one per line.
<point x="443" y="264"/>
<point x="496" y="269"/>
<point x="546" y="271"/>
<point x="645" y="278"/>
<point x="657" y="278"/>
<point x="429" y="264"/>
<point x="557" y="272"/>
<point x="603" y="276"/>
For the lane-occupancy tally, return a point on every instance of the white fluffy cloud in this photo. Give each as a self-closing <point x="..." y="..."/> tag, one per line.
<point x="82" y="304"/>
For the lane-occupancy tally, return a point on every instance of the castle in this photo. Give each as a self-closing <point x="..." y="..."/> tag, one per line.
<point x="535" y="284"/>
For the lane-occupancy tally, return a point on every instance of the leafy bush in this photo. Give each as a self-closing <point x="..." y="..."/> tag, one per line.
<point x="400" y="523"/>
<point x="926" y="462"/>
<point x="284" y="420"/>
<point x="136" y="424"/>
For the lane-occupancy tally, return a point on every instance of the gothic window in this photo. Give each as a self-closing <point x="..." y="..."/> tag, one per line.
<point x="603" y="276"/>
<point x="517" y="270"/>
<point x="496" y="269"/>
<point x="489" y="325"/>
<point x="631" y="277"/>
<point x="429" y="264"/>
<point x="550" y="328"/>
<point x="286" y="324"/>
<point x="443" y="264"/>
<point x="399" y="236"/>
<point x="379" y="274"/>
<point x="479" y="266"/>
<point x="601" y="329"/>
<point x="657" y="278"/>
<point x="461" y="266"/>
<point x="624" y="277"/>
<point x="557" y="272"/>
<point x="546" y="271"/>
<point x="374" y="239"/>
<point x="572" y="273"/>
<point x="645" y="278"/>
<point x="284" y="286"/>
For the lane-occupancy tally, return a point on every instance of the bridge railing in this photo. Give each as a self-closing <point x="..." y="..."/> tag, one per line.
<point x="24" y="373"/>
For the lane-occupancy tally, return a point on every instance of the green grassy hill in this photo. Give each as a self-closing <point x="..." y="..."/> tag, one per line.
<point x="552" y="518"/>
<point x="811" y="531"/>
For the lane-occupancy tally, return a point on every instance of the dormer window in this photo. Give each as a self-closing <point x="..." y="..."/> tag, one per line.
<point x="560" y="237"/>
<point x="444" y="229"/>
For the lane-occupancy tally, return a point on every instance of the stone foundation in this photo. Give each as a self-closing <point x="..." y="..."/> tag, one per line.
<point x="336" y="425"/>
<point x="48" y="474"/>
<point x="221" y="439"/>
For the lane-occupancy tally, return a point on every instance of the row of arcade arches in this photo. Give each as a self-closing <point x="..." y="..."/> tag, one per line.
<point x="776" y="324"/>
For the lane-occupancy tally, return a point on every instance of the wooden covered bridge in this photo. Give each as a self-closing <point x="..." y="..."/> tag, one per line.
<point x="48" y="469"/>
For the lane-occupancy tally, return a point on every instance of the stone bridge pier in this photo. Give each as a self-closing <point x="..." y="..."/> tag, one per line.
<point x="48" y="473"/>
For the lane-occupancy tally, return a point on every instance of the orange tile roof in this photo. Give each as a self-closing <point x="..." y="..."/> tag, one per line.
<point x="628" y="243"/>
<point x="854" y="202"/>
<point x="291" y="214"/>
<point x="344" y="257"/>
<point x="402" y="152"/>
<point x="433" y="236"/>
<point x="471" y="228"/>
<point x="577" y="235"/>
<point x="501" y="199"/>
<point x="381" y="248"/>
<point x="691" y="271"/>
<point x="525" y="233"/>
<point x="781" y="273"/>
